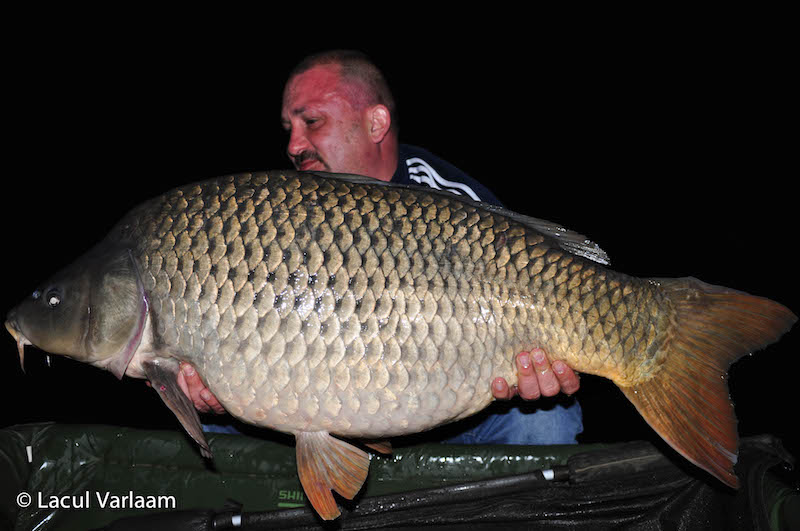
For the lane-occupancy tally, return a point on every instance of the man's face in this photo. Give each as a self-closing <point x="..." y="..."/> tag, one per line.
<point x="325" y="131"/>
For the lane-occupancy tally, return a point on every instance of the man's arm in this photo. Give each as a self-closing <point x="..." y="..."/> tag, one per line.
<point x="536" y="377"/>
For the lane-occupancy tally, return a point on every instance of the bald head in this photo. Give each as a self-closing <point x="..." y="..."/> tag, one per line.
<point x="362" y="83"/>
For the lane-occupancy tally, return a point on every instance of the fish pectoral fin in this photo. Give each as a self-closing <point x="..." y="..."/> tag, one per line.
<point x="325" y="463"/>
<point x="382" y="447"/>
<point x="163" y="376"/>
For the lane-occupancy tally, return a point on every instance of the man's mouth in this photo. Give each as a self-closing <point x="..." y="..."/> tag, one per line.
<point x="309" y="160"/>
<point x="310" y="165"/>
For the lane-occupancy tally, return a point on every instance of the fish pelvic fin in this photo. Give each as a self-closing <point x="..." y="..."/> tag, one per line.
<point x="325" y="463"/>
<point x="687" y="401"/>
<point x="163" y="376"/>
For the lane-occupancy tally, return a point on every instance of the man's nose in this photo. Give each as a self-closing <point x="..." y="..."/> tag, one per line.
<point x="297" y="143"/>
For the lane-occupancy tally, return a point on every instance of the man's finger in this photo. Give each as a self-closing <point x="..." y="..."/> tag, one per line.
<point x="569" y="379"/>
<point x="528" y="383"/>
<point x="501" y="390"/>
<point x="188" y="382"/>
<point x="546" y="377"/>
<point x="202" y="393"/>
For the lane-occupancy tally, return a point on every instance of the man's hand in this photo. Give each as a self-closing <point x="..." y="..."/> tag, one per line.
<point x="191" y="384"/>
<point x="536" y="378"/>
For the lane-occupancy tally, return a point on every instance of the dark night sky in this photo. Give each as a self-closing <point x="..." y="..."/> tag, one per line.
<point x="669" y="150"/>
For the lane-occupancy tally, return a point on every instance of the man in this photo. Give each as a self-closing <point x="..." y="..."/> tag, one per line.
<point x="340" y="116"/>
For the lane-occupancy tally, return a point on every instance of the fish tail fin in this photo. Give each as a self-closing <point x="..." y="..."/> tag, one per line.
<point x="687" y="400"/>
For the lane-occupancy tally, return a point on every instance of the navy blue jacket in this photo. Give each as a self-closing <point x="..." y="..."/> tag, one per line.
<point x="420" y="167"/>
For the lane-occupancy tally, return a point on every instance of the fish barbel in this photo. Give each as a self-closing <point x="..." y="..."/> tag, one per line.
<point x="317" y="304"/>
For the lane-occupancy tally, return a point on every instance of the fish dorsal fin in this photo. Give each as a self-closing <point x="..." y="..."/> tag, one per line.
<point x="325" y="463"/>
<point x="570" y="241"/>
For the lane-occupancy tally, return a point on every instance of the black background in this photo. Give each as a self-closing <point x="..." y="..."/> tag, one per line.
<point x="671" y="144"/>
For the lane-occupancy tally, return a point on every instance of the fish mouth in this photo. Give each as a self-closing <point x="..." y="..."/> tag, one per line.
<point x="21" y="340"/>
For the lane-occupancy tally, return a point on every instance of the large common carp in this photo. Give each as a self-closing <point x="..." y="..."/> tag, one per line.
<point x="317" y="305"/>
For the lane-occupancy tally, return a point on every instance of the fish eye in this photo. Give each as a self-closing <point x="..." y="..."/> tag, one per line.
<point x="53" y="298"/>
<point x="36" y="294"/>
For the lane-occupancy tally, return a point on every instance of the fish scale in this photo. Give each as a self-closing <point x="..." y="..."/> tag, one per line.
<point x="317" y="304"/>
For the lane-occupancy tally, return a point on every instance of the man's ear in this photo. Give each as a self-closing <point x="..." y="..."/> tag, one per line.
<point x="380" y="121"/>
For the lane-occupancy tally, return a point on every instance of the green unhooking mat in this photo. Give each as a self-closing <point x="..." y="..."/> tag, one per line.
<point x="102" y="477"/>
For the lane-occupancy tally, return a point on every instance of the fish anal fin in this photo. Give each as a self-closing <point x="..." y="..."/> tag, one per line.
<point x="163" y="376"/>
<point x="687" y="400"/>
<point x="325" y="463"/>
<point x="382" y="447"/>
